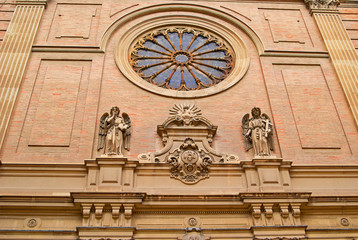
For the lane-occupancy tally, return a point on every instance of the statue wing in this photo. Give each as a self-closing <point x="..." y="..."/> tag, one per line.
<point x="102" y="132"/>
<point x="270" y="134"/>
<point x="128" y="132"/>
<point x="245" y="128"/>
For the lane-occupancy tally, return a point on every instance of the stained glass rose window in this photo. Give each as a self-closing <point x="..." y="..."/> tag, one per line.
<point x="181" y="59"/>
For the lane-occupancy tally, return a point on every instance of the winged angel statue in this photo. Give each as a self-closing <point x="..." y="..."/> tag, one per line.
<point x="257" y="132"/>
<point x="114" y="132"/>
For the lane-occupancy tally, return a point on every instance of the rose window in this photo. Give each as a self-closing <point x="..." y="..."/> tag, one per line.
<point x="181" y="59"/>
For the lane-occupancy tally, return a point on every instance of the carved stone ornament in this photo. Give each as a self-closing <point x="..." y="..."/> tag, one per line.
<point x="344" y="222"/>
<point x="189" y="163"/>
<point x="192" y="221"/>
<point x="114" y="133"/>
<point x="257" y="132"/>
<point x="322" y="4"/>
<point x="194" y="234"/>
<point x="31" y="223"/>
<point x="187" y="137"/>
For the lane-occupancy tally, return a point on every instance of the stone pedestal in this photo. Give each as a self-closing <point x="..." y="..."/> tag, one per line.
<point x="110" y="173"/>
<point x="267" y="174"/>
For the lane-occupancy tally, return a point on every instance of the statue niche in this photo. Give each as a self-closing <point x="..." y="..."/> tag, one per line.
<point x="114" y="132"/>
<point x="187" y="137"/>
<point x="257" y="133"/>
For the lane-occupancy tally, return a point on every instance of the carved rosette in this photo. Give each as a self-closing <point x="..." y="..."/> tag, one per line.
<point x="189" y="163"/>
<point x="187" y="137"/>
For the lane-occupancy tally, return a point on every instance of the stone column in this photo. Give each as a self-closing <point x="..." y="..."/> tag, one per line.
<point x="339" y="46"/>
<point x="14" y="54"/>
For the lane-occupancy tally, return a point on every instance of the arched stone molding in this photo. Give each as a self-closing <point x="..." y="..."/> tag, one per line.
<point x="126" y="42"/>
<point x="182" y="7"/>
<point x="186" y="15"/>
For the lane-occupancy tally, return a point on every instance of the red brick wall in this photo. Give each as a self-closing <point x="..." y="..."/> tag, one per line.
<point x="302" y="95"/>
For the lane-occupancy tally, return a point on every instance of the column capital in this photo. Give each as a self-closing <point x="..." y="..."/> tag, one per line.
<point x="32" y="2"/>
<point x="322" y="6"/>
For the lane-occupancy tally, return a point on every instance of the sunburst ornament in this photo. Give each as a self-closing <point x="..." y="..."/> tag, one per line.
<point x="181" y="59"/>
<point x="185" y="113"/>
<point x="180" y="109"/>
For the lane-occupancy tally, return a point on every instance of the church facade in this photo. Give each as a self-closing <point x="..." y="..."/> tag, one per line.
<point x="189" y="120"/>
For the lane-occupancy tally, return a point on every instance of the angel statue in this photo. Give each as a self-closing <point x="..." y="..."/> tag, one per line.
<point x="114" y="132"/>
<point x="257" y="132"/>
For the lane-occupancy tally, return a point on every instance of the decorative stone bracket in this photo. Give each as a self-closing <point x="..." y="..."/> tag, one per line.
<point x="187" y="137"/>
<point x="276" y="209"/>
<point x="106" y="214"/>
<point x="107" y="209"/>
<point x="277" y="215"/>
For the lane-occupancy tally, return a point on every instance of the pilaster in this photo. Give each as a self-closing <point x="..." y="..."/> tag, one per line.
<point x="14" y="54"/>
<point x="340" y="48"/>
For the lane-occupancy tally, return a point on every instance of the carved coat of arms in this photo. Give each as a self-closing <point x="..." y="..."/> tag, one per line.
<point x="189" y="163"/>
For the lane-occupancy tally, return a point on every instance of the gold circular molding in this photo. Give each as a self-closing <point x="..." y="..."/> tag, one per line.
<point x="128" y="40"/>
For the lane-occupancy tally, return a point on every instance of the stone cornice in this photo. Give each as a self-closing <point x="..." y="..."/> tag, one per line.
<point x="108" y="197"/>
